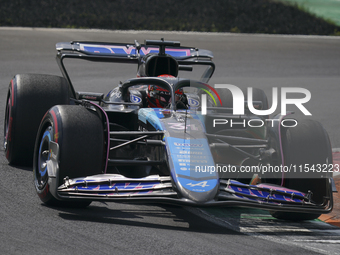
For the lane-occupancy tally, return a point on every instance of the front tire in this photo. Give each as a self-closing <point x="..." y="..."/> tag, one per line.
<point x="29" y="97"/>
<point x="80" y="136"/>
<point x="307" y="143"/>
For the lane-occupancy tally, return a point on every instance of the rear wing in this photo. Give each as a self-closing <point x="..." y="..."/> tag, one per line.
<point x="130" y="51"/>
<point x="133" y="54"/>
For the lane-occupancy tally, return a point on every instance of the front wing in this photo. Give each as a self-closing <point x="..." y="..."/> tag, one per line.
<point x="155" y="188"/>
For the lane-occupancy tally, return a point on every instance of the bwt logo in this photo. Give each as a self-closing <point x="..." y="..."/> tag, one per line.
<point x="238" y="100"/>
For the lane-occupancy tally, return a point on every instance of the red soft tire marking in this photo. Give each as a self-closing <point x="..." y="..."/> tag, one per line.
<point x="45" y="191"/>
<point x="56" y="134"/>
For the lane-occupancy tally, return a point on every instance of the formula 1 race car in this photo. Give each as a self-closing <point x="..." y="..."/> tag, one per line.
<point x="161" y="138"/>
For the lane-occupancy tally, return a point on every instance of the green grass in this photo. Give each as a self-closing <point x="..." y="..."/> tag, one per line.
<point x="326" y="9"/>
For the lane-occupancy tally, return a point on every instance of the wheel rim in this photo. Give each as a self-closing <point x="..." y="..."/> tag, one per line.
<point x="43" y="158"/>
<point x="8" y="120"/>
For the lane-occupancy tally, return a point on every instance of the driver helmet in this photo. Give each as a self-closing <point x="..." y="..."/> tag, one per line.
<point x="158" y="97"/>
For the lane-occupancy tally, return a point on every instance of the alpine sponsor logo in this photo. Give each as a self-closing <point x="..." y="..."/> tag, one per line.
<point x="200" y="184"/>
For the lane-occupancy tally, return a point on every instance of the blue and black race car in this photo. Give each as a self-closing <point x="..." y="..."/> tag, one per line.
<point x="160" y="138"/>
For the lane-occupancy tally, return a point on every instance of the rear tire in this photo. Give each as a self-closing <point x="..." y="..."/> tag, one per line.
<point x="80" y="136"/>
<point x="307" y="143"/>
<point x="29" y="97"/>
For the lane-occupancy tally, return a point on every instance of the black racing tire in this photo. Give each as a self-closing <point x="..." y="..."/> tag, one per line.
<point x="307" y="143"/>
<point x="80" y="135"/>
<point x="28" y="99"/>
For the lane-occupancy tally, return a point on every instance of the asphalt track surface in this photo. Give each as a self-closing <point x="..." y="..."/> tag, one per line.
<point x="27" y="226"/>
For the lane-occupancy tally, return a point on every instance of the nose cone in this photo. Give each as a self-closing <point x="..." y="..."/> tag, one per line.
<point x="200" y="191"/>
